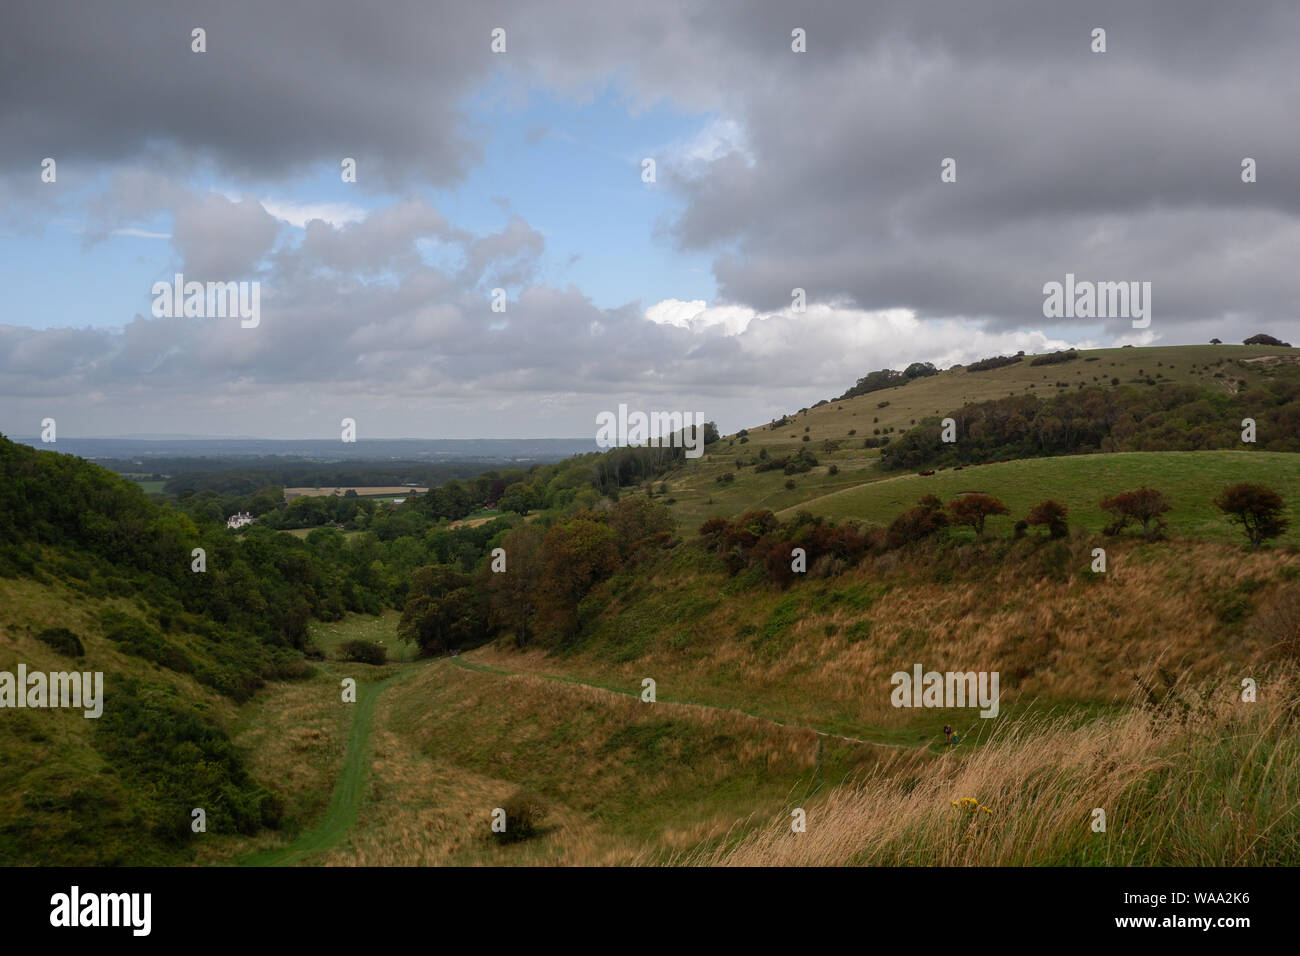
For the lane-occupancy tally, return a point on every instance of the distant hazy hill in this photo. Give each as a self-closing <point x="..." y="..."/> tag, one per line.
<point x="488" y="449"/>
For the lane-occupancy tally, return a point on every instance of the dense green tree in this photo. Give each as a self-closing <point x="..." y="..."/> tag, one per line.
<point x="443" y="610"/>
<point x="1257" y="508"/>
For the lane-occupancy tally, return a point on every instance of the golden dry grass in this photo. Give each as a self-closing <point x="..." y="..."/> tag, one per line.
<point x="294" y="737"/>
<point x="1053" y="638"/>
<point x="1221" y="789"/>
<point x="626" y="781"/>
<point x="421" y="812"/>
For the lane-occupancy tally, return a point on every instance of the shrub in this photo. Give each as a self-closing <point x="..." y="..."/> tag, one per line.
<point x="1145" y="505"/>
<point x="62" y="640"/>
<point x="1257" y="508"/>
<point x="974" y="509"/>
<point x="1053" y="515"/>
<point x="997" y="361"/>
<point x="1055" y="358"/>
<point x="524" y="813"/>
<point x="926" y="519"/>
<point x="789" y="484"/>
<point x="139" y="640"/>
<point x="364" y="652"/>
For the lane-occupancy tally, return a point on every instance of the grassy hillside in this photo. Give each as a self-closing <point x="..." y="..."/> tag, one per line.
<point x="952" y="388"/>
<point x="697" y="493"/>
<point x="1189" y="480"/>
<point x="117" y="789"/>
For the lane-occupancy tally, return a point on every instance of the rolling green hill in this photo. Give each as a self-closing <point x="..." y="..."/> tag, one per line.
<point x="697" y="494"/>
<point x="1189" y="480"/>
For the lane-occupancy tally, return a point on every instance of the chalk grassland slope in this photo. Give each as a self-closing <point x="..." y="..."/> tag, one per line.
<point x="1189" y="480"/>
<point x="698" y="495"/>
<point x="950" y="389"/>
<point x="822" y="652"/>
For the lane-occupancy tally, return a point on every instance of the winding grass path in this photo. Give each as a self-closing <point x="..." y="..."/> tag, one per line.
<point x="345" y="802"/>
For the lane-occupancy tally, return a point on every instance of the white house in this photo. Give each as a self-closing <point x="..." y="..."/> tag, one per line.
<point x="239" y="520"/>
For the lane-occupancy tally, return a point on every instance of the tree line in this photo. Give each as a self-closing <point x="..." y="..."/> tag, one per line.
<point x="1091" y="420"/>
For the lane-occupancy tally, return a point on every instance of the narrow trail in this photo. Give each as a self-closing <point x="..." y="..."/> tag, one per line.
<point x="345" y="801"/>
<point x="469" y="665"/>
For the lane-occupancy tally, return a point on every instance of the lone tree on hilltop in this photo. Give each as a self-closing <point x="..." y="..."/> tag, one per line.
<point x="1145" y="505"/>
<point x="974" y="509"/>
<point x="1257" y="508"/>
<point x="1052" y="514"/>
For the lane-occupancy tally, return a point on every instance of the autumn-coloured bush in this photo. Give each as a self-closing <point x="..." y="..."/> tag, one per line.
<point x="1146" y="505"/>
<point x="974" y="509"/>
<point x="926" y="519"/>
<point x="1053" y="515"/>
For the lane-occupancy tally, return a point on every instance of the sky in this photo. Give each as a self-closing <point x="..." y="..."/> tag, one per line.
<point x="524" y="170"/>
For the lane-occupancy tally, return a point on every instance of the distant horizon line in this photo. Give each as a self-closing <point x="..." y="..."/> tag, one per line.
<point x="359" y="441"/>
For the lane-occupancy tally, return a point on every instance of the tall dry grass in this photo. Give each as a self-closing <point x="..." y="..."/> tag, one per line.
<point x="1216" y="784"/>
<point x="1053" y="631"/>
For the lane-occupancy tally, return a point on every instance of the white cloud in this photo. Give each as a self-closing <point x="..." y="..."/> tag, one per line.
<point x="142" y="234"/>
<point x="299" y="214"/>
<point x="697" y="316"/>
<point x="721" y="137"/>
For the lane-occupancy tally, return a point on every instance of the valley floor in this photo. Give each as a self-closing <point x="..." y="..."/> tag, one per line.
<point x="716" y="768"/>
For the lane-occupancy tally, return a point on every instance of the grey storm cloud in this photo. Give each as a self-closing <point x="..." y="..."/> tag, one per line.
<point x="1116" y="166"/>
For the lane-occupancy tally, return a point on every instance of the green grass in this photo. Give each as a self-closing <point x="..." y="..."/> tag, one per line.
<point x="1189" y="480"/>
<point x="150" y="486"/>
<point x="303" y="532"/>
<point x="329" y="635"/>
<point x="345" y="801"/>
